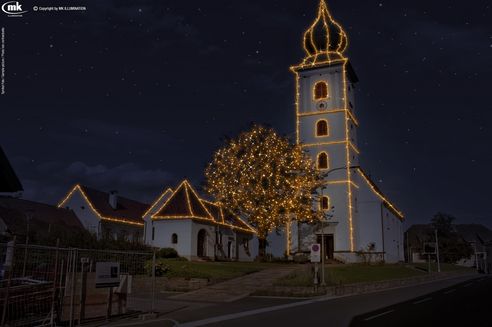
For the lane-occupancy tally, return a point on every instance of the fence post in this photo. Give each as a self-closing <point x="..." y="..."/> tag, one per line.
<point x="25" y="256"/>
<point x="83" y="288"/>
<point x="152" y="309"/>
<point x="9" y="263"/>
<point x="72" y="286"/>
<point x="53" y="299"/>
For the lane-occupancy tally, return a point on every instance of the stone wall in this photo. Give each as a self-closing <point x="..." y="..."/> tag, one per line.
<point x="358" y="288"/>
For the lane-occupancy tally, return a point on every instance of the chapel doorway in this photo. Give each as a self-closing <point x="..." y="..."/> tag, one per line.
<point x="229" y="250"/>
<point x="329" y="246"/>
<point x="201" y="243"/>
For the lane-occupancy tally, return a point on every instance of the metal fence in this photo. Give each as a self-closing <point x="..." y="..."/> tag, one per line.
<point x="41" y="285"/>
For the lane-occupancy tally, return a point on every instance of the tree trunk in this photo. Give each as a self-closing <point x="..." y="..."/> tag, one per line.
<point x="262" y="243"/>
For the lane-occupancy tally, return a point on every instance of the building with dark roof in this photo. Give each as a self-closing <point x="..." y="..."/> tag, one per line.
<point x="9" y="182"/>
<point x="478" y="236"/>
<point x="197" y="228"/>
<point x="106" y="214"/>
<point x="20" y="216"/>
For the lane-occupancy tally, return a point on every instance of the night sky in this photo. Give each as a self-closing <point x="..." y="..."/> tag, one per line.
<point x="135" y="96"/>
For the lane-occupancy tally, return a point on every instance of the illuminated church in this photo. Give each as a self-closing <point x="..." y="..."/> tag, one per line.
<point x="360" y="222"/>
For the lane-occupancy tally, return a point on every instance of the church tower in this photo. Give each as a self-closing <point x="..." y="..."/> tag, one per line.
<point x="327" y="129"/>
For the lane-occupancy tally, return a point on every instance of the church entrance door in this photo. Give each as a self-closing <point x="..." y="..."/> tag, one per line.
<point x="329" y="246"/>
<point x="201" y="242"/>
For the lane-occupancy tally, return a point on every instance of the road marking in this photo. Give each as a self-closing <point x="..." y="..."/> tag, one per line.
<point x="423" y="300"/>
<point x="466" y="285"/>
<point x="379" y="315"/>
<point x="450" y="291"/>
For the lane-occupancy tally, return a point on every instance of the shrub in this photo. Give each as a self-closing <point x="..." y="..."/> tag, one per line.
<point x="167" y="253"/>
<point x="161" y="268"/>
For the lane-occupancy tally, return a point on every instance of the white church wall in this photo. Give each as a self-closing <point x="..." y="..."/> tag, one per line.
<point x="368" y="227"/>
<point x="393" y="237"/>
<point x="375" y="223"/>
<point x="163" y="231"/>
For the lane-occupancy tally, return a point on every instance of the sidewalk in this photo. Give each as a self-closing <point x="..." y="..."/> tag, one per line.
<point x="237" y="288"/>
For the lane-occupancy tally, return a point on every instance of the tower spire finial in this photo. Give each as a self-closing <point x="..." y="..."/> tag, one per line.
<point x="325" y="40"/>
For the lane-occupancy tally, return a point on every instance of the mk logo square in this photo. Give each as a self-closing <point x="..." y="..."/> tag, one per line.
<point x="13" y="9"/>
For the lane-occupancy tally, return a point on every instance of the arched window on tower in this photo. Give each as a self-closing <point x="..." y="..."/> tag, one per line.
<point x="320" y="90"/>
<point x="322" y="128"/>
<point x="174" y="238"/>
<point x="323" y="160"/>
<point x="325" y="203"/>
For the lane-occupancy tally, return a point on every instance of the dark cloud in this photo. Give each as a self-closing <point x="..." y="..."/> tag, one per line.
<point x="51" y="180"/>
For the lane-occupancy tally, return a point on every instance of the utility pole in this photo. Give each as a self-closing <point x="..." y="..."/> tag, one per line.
<point x="437" y="253"/>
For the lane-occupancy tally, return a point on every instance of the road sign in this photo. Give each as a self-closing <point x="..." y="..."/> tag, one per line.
<point x="315" y="253"/>
<point x="107" y="274"/>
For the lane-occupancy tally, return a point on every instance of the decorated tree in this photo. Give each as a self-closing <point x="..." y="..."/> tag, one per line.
<point x="264" y="178"/>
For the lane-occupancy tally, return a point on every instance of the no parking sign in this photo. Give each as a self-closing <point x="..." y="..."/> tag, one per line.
<point x="315" y="253"/>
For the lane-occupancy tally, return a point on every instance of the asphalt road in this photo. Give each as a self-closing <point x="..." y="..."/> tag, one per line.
<point x="461" y="301"/>
<point x="465" y="304"/>
<point x="341" y="311"/>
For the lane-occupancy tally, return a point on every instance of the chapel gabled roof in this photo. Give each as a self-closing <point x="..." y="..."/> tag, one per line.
<point x="9" y="182"/>
<point x="184" y="203"/>
<point x="159" y="203"/>
<point x="226" y="218"/>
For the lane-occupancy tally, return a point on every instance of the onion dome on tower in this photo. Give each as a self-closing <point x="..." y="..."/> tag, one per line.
<point x="325" y="41"/>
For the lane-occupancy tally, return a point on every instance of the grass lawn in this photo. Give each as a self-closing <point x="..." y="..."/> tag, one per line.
<point x="358" y="273"/>
<point x="216" y="271"/>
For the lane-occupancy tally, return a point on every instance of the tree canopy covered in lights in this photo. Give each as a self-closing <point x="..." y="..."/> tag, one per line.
<point x="263" y="177"/>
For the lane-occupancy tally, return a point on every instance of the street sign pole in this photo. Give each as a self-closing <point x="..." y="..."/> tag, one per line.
<point x="316" y="259"/>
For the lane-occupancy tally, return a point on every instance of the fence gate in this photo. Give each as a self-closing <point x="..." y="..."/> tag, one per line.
<point x="46" y="286"/>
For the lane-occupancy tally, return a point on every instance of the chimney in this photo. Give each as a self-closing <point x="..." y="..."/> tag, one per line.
<point x="113" y="199"/>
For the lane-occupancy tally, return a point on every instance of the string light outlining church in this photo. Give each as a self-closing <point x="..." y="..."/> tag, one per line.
<point x="359" y="218"/>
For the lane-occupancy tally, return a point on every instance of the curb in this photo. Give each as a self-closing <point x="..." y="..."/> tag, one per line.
<point x="356" y="288"/>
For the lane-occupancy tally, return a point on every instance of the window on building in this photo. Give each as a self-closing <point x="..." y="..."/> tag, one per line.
<point x="323" y="160"/>
<point x="322" y="128"/>
<point x="153" y="233"/>
<point x="325" y="203"/>
<point x="174" y="238"/>
<point x="320" y="90"/>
